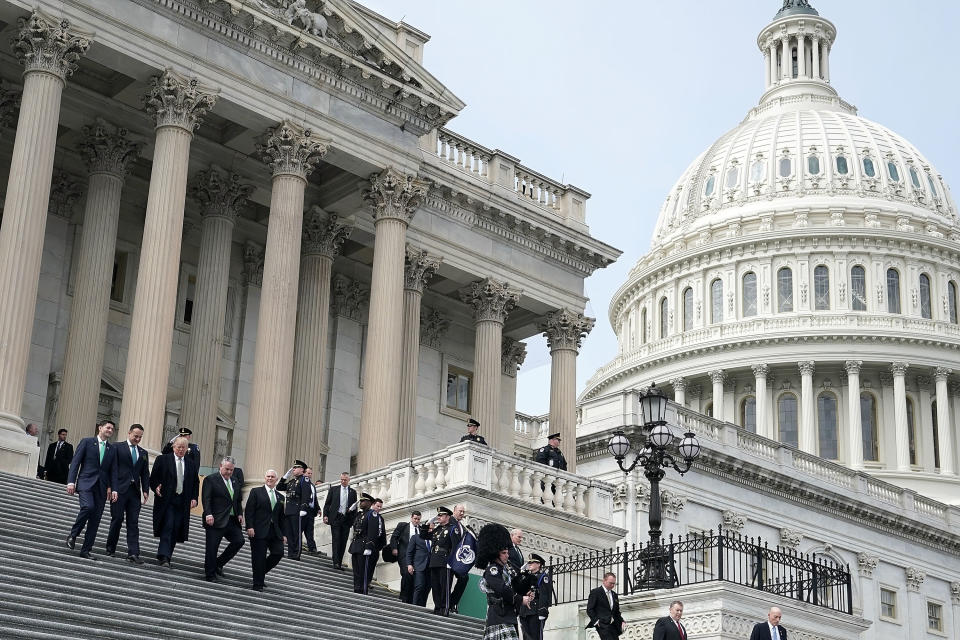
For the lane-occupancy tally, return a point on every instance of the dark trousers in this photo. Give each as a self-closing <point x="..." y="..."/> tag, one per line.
<point x="291" y="529"/>
<point x="406" y="583"/>
<point x="262" y="564"/>
<point x="607" y="631"/>
<point x="532" y="627"/>
<point x="127" y="507"/>
<point x="171" y="527"/>
<point x="307" y="523"/>
<point x="457" y="592"/>
<point x="421" y="587"/>
<point x="91" y="510"/>
<point x="363" y="568"/>
<point x="440" y="587"/>
<point x="339" y="532"/>
<point x="214" y="535"/>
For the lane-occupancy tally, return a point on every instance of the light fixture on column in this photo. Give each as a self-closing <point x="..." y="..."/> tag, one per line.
<point x="654" y="458"/>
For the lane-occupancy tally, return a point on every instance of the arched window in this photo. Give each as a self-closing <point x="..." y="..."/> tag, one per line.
<point x="784" y="289"/>
<point x="858" y="288"/>
<point x="643" y="326"/>
<point x="925" y="309"/>
<point x="708" y="410"/>
<point x="787" y="418"/>
<point x="748" y="414"/>
<point x="813" y="165"/>
<point x="711" y="181"/>
<point x="827" y="425"/>
<point x="911" y="431"/>
<point x="893" y="291"/>
<point x="933" y="186"/>
<point x="687" y="309"/>
<point x="893" y="171"/>
<point x="869" y="169"/>
<point x="664" y="317"/>
<point x="936" y="436"/>
<point x="842" y="167"/>
<point x="952" y="300"/>
<point x="785" y="167"/>
<point x="915" y="178"/>
<point x="757" y="171"/>
<point x="749" y="294"/>
<point x="821" y="288"/>
<point x="716" y="300"/>
<point x="732" y="176"/>
<point x="868" y="426"/>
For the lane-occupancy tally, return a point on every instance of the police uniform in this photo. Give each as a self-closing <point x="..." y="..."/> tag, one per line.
<point x="193" y="451"/>
<point x="472" y="437"/>
<point x="534" y="617"/>
<point x="297" y="493"/>
<point x="551" y="456"/>
<point x="369" y="534"/>
<point x="441" y="546"/>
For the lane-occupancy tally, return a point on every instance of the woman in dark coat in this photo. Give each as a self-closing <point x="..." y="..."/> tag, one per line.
<point x="493" y="545"/>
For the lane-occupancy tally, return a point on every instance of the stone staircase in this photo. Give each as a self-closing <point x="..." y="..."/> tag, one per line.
<point x="50" y="592"/>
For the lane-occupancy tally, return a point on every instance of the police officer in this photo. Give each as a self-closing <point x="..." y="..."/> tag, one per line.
<point x="193" y="451"/>
<point x="534" y="616"/>
<point x="297" y="488"/>
<point x="550" y="454"/>
<point x="472" y="427"/>
<point x="358" y="544"/>
<point x="441" y="545"/>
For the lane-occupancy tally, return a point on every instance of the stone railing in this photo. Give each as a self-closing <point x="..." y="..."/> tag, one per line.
<point x="469" y="468"/>
<point x="531" y="426"/>
<point x="462" y="153"/>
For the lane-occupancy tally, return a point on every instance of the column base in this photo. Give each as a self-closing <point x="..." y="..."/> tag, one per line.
<point x="19" y="452"/>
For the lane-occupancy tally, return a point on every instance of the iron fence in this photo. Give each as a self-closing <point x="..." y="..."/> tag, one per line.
<point x="698" y="558"/>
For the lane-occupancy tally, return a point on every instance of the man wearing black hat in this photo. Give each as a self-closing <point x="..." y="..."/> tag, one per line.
<point x="297" y="503"/>
<point x="472" y="427"/>
<point x="193" y="451"/>
<point x="534" y="616"/>
<point x="441" y="545"/>
<point x="550" y="454"/>
<point x="369" y="536"/>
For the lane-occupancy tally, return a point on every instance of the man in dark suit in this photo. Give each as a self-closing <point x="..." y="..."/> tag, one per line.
<point x="130" y="484"/>
<point x="369" y="536"/>
<point x="515" y="557"/>
<point x="339" y="510"/>
<point x="669" y="627"/>
<point x="59" y="454"/>
<point x="222" y="518"/>
<point x="264" y="521"/>
<point x="456" y="537"/>
<point x="416" y="562"/>
<point x="176" y="484"/>
<point x="771" y="629"/>
<point x="193" y="451"/>
<point x="603" y="609"/>
<point x="308" y="521"/>
<point x="296" y="501"/>
<point x="89" y="476"/>
<point x="398" y="548"/>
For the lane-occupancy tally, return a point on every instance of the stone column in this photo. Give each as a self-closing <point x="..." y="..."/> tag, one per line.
<point x="899" y="371"/>
<point x="292" y="153"/>
<point x="492" y="301"/>
<point x="760" y="385"/>
<point x="177" y="104"/>
<point x="419" y="268"/>
<point x="807" y="438"/>
<point x="774" y="77"/>
<point x="48" y="49"/>
<point x="944" y="428"/>
<point x="221" y="196"/>
<point x="786" y="64"/>
<point x="394" y="198"/>
<point x="825" y="61"/>
<point x="816" y="58"/>
<point x="565" y="330"/>
<point x="766" y="68"/>
<point x="717" y="377"/>
<point x="108" y="152"/>
<point x="512" y="355"/>
<point x="854" y="419"/>
<point x="679" y="391"/>
<point x="801" y="56"/>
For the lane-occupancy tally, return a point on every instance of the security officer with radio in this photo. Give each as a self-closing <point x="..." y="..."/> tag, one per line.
<point x="193" y="451"/>
<point x="296" y="488"/>
<point x="441" y="546"/>
<point x="534" y="616"/>
<point x="550" y="455"/>
<point x="472" y="427"/>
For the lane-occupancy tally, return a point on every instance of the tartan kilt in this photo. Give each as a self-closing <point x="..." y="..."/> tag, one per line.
<point x="500" y="632"/>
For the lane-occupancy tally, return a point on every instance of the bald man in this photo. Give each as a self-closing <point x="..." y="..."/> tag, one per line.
<point x="771" y="629"/>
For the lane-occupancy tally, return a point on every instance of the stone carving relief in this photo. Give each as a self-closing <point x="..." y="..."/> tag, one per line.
<point x="49" y="44"/>
<point x="348" y="297"/>
<point x="395" y="195"/>
<point x="915" y="578"/>
<point x="565" y="329"/>
<point x="866" y="563"/>
<point x="790" y="538"/>
<point x="253" y="264"/>
<point x="512" y="355"/>
<point x="175" y="100"/>
<point x="289" y="149"/>
<point x="955" y="592"/>
<point x="419" y="268"/>
<point x="65" y="190"/>
<point x="324" y="233"/>
<point x="220" y="193"/>
<point x="311" y="21"/>
<point x="490" y="299"/>
<point x="106" y="148"/>
<point x="733" y="521"/>
<point x="433" y="327"/>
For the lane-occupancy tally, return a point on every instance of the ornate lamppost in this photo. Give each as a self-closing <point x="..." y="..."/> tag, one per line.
<point x="654" y="457"/>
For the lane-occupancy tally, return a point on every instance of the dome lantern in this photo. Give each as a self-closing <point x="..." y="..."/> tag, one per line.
<point x="796" y="52"/>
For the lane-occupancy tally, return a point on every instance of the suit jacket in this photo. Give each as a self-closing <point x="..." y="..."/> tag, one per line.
<point x="57" y="463"/>
<point x="515" y="558"/>
<point x="400" y="539"/>
<point x="265" y="521"/>
<point x="86" y="469"/>
<point x="217" y="501"/>
<point x="164" y="475"/>
<point x="418" y="554"/>
<point x="125" y="474"/>
<point x="331" y="506"/>
<point x="599" y="612"/>
<point x="193" y="451"/>
<point x="666" y="629"/>
<point x="761" y="631"/>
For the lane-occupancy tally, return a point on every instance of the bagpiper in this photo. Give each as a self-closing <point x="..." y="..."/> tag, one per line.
<point x="503" y="602"/>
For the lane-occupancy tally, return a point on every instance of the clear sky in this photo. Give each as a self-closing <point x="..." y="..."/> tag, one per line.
<point x="619" y="97"/>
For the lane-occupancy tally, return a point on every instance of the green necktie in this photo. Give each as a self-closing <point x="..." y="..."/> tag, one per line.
<point x="230" y="491"/>
<point x="133" y="454"/>
<point x="273" y="498"/>
<point x="101" y="450"/>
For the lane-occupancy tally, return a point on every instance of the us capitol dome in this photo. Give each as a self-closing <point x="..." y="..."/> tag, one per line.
<point x="802" y="280"/>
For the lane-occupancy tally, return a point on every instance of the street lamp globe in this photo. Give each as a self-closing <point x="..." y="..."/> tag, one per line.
<point x="661" y="436"/>
<point x="689" y="447"/>
<point x="653" y="406"/>
<point x="618" y="445"/>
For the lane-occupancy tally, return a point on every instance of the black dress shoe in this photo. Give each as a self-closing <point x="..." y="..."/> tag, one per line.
<point x="164" y="562"/>
<point x="111" y="552"/>
<point x="212" y="578"/>
<point x="71" y="542"/>
<point x="134" y="559"/>
<point x="220" y="571"/>
<point x="257" y="587"/>
<point x="86" y="555"/>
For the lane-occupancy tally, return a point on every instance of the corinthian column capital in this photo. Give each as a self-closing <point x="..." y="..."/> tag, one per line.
<point x="760" y="370"/>
<point x="107" y="149"/>
<point x="289" y="149"/>
<point x="942" y="373"/>
<point x="177" y="101"/>
<point x="853" y="367"/>
<point x="512" y="355"/>
<point x="419" y="267"/>
<point x="717" y="376"/>
<point x="48" y="44"/>
<point x="899" y="368"/>
<point x="565" y="329"/>
<point x="491" y="300"/>
<point x="807" y="367"/>
<point x="221" y="194"/>
<point x="324" y="233"/>
<point x="395" y="195"/>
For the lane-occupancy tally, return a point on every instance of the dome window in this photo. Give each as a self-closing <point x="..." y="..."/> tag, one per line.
<point x="687" y="309"/>
<point x="827" y="425"/>
<point x="821" y="288"/>
<point x="842" y="167"/>
<point x="868" y="426"/>
<point x="711" y="182"/>
<point x="732" y="177"/>
<point x="869" y="169"/>
<point x="748" y="414"/>
<point x="786" y="167"/>
<point x="784" y="290"/>
<point x="749" y="294"/>
<point x="664" y="318"/>
<point x="893" y="171"/>
<point x="757" y="169"/>
<point x="933" y="186"/>
<point x="915" y="178"/>
<point x="858" y="288"/>
<point x="926" y="310"/>
<point x="787" y="419"/>
<point x="813" y="165"/>
<point x="952" y="300"/>
<point x="716" y="300"/>
<point x="643" y="326"/>
<point x="893" y="291"/>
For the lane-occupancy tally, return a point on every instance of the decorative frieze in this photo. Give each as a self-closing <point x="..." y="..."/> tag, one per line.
<point x="433" y="327"/>
<point x="419" y="267"/>
<point x="65" y="190"/>
<point x="177" y="101"/>
<point x="914" y="578"/>
<point x="565" y="329"/>
<point x="513" y="353"/>
<point x="395" y="195"/>
<point x="324" y="233"/>
<point x="790" y="538"/>
<point x="491" y="300"/>
<point x="253" y="264"/>
<point x="289" y="149"/>
<point x="107" y="149"/>
<point x="220" y="194"/>
<point x="47" y="44"/>
<point x="866" y="563"/>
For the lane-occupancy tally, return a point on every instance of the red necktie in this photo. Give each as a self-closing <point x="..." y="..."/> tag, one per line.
<point x="683" y="636"/>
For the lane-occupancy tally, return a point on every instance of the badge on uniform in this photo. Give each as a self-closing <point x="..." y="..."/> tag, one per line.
<point x="493" y="571"/>
<point x="541" y="449"/>
<point x="546" y="579"/>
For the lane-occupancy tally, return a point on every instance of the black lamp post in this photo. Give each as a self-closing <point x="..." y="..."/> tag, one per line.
<point x="654" y="458"/>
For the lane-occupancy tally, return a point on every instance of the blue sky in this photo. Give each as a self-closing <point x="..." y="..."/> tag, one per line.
<point x="619" y="97"/>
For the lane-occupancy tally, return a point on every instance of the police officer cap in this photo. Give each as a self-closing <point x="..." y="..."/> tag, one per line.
<point x="300" y="463"/>
<point x="473" y="422"/>
<point x="366" y="496"/>
<point x="553" y="435"/>
<point x="536" y="558"/>
<point x="185" y="432"/>
<point x="444" y="511"/>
